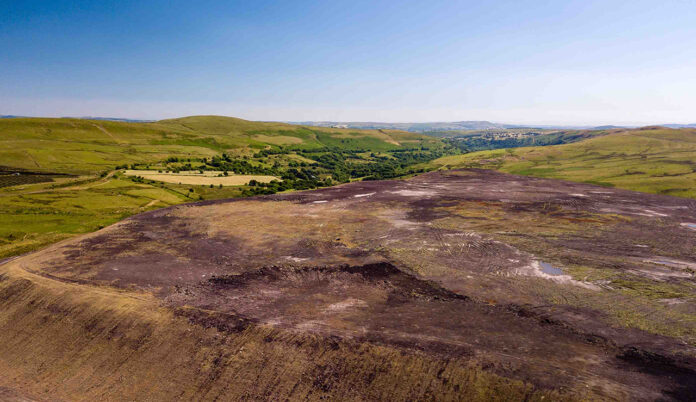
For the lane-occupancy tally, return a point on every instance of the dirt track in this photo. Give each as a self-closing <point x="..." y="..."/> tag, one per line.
<point x="447" y="264"/>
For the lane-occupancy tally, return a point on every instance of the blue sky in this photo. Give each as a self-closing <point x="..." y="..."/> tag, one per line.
<point x="544" y="62"/>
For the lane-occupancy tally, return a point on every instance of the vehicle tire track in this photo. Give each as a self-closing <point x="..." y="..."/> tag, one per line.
<point x="105" y="131"/>
<point x="32" y="159"/>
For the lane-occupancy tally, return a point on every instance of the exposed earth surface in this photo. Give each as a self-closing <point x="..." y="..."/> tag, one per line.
<point x="462" y="284"/>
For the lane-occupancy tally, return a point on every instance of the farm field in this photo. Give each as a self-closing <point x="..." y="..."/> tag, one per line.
<point x="466" y="284"/>
<point x="652" y="159"/>
<point x="205" y="178"/>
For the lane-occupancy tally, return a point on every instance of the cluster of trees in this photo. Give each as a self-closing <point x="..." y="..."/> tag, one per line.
<point x="295" y="180"/>
<point x="340" y="165"/>
<point x="344" y="165"/>
<point x="323" y="166"/>
<point x="271" y="151"/>
<point x="238" y="166"/>
<point x="140" y="179"/>
<point x="331" y="166"/>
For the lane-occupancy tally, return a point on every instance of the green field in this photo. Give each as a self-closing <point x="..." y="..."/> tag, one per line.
<point x="34" y="215"/>
<point x="653" y="160"/>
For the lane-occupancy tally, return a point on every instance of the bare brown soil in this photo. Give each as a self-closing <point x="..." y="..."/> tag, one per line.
<point x="9" y="395"/>
<point x="443" y="265"/>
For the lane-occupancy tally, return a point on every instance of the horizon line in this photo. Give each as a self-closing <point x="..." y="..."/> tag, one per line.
<point x="298" y="122"/>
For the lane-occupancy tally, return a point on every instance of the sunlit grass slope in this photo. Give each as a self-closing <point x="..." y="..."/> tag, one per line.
<point x="35" y="215"/>
<point x="651" y="159"/>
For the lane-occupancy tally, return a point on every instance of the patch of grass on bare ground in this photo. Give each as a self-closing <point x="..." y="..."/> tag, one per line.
<point x="35" y="215"/>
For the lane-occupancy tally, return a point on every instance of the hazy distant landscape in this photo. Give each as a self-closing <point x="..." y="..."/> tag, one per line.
<point x="467" y="126"/>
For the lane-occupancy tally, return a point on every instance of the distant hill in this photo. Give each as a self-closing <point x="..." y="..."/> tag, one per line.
<point x="112" y="119"/>
<point x="10" y="116"/>
<point x="412" y="127"/>
<point x="452" y="126"/>
<point x="468" y="125"/>
<point x="692" y="125"/>
<point x="608" y="127"/>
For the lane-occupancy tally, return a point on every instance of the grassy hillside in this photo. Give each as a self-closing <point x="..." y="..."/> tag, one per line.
<point x="34" y="215"/>
<point x="652" y="159"/>
<point x="58" y="178"/>
<point x="89" y="146"/>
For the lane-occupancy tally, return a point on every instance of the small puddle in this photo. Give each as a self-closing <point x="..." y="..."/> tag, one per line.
<point x="550" y="269"/>
<point x="689" y="225"/>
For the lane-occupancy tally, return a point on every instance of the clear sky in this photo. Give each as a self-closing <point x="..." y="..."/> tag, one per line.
<point x="544" y="62"/>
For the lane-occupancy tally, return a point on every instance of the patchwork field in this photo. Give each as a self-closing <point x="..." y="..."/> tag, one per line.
<point x="452" y="285"/>
<point x="213" y="177"/>
<point x="652" y="159"/>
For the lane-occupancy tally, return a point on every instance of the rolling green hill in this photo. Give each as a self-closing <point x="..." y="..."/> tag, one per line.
<point x="650" y="159"/>
<point x="87" y="146"/>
